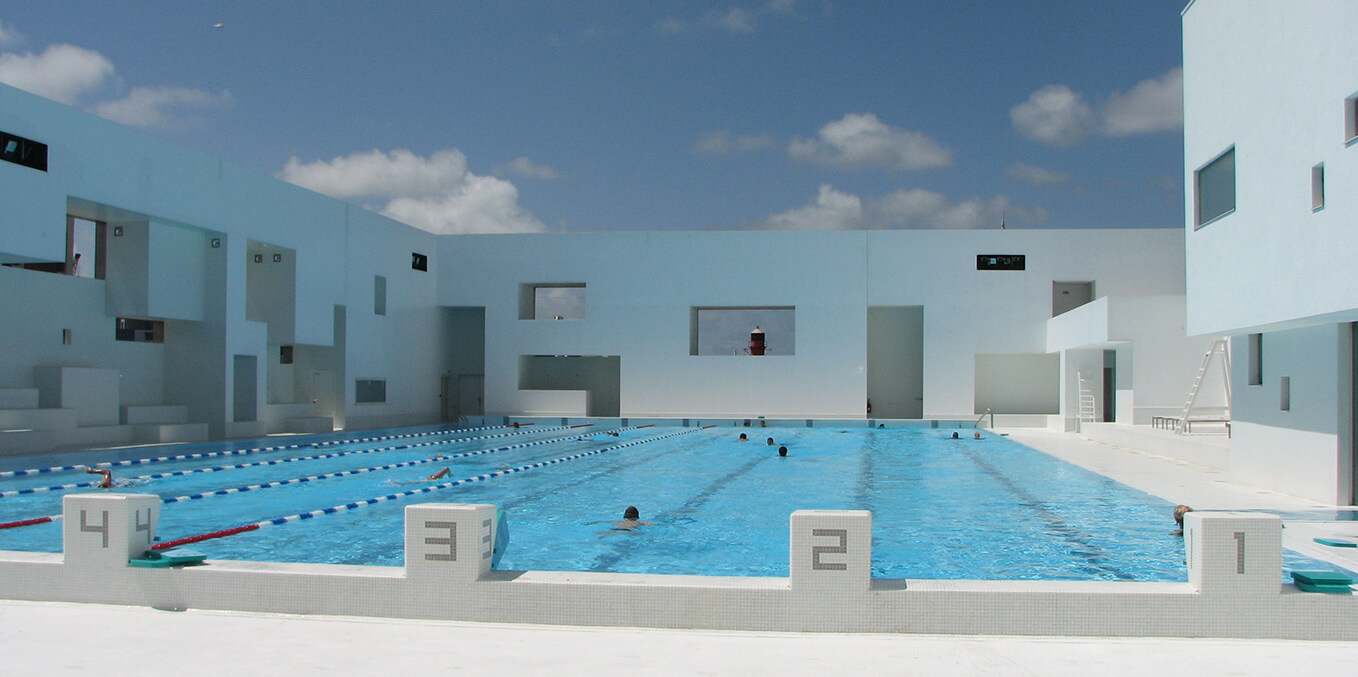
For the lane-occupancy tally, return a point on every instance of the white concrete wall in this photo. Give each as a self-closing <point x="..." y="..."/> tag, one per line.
<point x="1271" y="79"/>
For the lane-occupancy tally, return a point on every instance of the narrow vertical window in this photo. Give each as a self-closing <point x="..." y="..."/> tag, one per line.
<point x="1351" y="118"/>
<point x="1285" y="393"/>
<point x="1256" y="359"/>
<point x="1214" y="188"/>
<point x="1318" y="186"/>
<point x="379" y="295"/>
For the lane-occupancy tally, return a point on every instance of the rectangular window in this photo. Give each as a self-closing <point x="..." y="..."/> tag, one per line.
<point x="23" y="151"/>
<point x="1318" y="186"/>
<point x="1214" y="188"/>
<point x="140" y="331"/>
<point x="370" y="391"/>
<point x="743" y="331"/>
<point x="419" y="261"/>
<point x="1256" y="359"/>
<point x="999" y="262"/>
<point x="379" y="295"/>
<point x="1285" y="393"/>
<point x="563" y="301"/>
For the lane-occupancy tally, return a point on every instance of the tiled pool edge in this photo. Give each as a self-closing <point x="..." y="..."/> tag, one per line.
<point x="829" y="589"/>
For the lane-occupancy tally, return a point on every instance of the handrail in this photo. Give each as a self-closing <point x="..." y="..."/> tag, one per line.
<point x="989" y="413"/>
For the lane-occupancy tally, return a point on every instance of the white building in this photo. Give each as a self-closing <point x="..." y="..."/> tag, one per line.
<point x="210" y="302"/>
<point x="1270" y="125"/>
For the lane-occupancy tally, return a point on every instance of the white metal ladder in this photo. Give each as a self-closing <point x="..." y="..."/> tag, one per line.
<point x="1219" y="347"/>
<point x="1087" y="405"/>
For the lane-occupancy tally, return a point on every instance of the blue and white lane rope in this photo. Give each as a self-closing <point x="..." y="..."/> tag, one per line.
<point x="274" y="461"/>
<point x="404" y="494"/>
<point x="359" y="471"/>
<point x="342" y="473"/>
<point x="242" y="452"/>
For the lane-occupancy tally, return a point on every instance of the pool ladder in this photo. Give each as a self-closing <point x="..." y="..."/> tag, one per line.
<point x="989" y="413"/>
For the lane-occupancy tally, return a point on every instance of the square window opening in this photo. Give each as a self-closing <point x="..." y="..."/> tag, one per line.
<point x="370" y="391"/>
<point x="558" y="301"/>
<point x="743" y="330"/>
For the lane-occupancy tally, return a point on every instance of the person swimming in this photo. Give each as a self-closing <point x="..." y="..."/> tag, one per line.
<point x="742" y="438"/>
<point x="1179" y="512"/>
<point x="769" y="443"/>
<point x="955" y="436"/>
<point x="782" y="451"/>
<point x="107" y="481"/>
<point x="631" y="519"/>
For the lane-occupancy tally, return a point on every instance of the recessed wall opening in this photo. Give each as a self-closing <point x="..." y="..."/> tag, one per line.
<point x="1067" y="296"/>
<point x="552" y="301"/>
<point x="738" y="330"/>
<point x="245" y="388"/>
<point x="1351" y="118"/>
<point x="599" y="376"/>
<point x="1020" y="383"/>
<point x="84" y="248"/>
<point x="1318" y="186"/>
<point x="271" y="290"/>
<point x="1256" y="359"/>
<point x="896" y="361"/>
<point x="379" y="295"/>
<point x="140" y="331"/>
<point x="370" y="391"/>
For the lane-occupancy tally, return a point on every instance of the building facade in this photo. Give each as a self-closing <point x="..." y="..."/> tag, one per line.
<point x="1270" y="128"/>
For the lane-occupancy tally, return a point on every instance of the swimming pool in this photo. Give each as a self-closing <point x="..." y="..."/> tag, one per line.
<point x="942" y="508"/>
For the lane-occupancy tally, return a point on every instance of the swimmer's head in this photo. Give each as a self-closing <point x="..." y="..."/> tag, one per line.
<point x="954" y="435"/>
<point x="631" y="513"/>
<point x="743" y="437"/>
<point x="770" y="442"/>
<point x="782" y="451"/>
<point x="1179" y="512"/>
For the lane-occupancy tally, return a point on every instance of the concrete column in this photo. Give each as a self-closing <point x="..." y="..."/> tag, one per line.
<point x="449" y="541"/>
<point x="1234" y="553"/>
<point x="831" y="550"/>
<point x="107" y="530"/>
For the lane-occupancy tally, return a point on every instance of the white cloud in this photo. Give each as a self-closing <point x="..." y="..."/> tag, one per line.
<point x="8" y="36"/>
<point x="61" y="73"/>
<point x="1054" y="114"/>
<point x="159" y="106"/>
<point x="1153" y="105"/>
<point x="914" y="208"/>
<point x="831" y="210"/>
<point x="861" y="141"/>
<point x="437" y="193"/>
<point x="1060" y="116"/>
<point x="1033" y="174"/>
<point x="724" y="143"/>
<point x="732" y="20"/>
<point x="522" y="166"/>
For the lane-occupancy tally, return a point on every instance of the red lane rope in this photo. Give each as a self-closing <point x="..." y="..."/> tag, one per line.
<point x="24" y="523"/>
<point x="203" y="537"/>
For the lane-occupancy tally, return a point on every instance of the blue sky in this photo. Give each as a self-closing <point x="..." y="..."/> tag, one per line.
<point x="611" y="115"/>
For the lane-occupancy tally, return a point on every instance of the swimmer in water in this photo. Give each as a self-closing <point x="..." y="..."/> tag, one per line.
<point x="438" y="475"/>
<point x="782" y="451"/>
<point x="629" y="522"/>
<point x="769" y="443"/>
<point x="1179" y="512"/>
<point x="107" y="482"/>
<point x="742" y="438"/>
<point x="954" y="436"/>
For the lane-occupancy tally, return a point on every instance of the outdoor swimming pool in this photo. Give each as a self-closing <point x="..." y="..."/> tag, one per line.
<point x="942" y="508"/>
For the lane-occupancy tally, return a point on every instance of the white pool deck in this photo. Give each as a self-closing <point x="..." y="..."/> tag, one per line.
<point x="63" y="638"/>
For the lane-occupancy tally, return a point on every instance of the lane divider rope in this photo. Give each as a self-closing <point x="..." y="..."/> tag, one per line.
<point x="274" y="461"/>
<point x="404" y="494"/>
<point x="242" y="452"/>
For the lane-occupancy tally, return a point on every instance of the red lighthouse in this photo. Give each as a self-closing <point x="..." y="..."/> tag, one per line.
<point x="757" y="341"/>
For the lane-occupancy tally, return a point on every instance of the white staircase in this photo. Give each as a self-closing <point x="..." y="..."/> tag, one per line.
<point x="1219" y="347"/>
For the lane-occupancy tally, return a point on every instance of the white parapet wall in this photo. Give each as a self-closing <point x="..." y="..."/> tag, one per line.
<point x="1233" y="587"/>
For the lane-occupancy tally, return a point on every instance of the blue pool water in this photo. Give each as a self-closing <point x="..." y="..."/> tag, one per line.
<point x="942" y="508"/>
